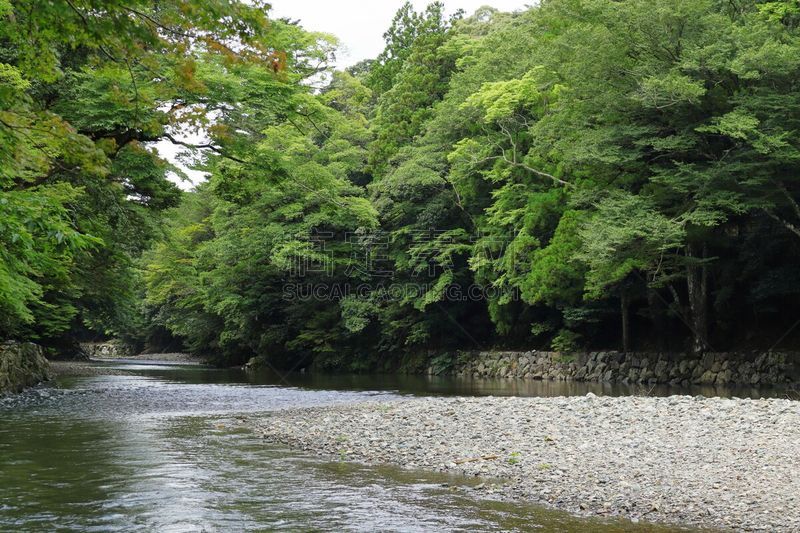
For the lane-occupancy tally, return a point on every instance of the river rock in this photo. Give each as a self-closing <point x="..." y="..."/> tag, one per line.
<point x="22" y="365"/>
<point x="726" y="464"/>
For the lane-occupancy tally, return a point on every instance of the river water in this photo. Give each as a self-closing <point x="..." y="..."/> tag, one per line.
<point x="167" y="448"/>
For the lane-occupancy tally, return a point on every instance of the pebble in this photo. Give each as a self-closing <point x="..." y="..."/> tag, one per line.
<point x="721" y="463"/>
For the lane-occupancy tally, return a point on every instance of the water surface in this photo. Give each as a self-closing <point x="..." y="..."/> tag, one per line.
<point x="442" y="385"/>
<point x="168" y="448"/>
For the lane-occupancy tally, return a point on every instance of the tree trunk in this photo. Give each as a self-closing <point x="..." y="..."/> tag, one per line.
<point x="624" y="305"/>
<point x="655" y="307"/>
<point x="697" y="285"/>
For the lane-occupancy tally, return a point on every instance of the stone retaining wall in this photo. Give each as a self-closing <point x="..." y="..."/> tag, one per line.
<point x="22" y="365"/>
<point x="617" y="367"/>
<point x="112" y="349"/>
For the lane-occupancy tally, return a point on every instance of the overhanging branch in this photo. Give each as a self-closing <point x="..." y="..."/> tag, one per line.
<point x="206" y="146"/>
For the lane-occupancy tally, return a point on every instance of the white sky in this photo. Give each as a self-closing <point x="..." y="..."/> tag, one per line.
<point x="359" y="25"/>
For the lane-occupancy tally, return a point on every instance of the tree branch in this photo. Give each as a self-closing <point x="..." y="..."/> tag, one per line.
<point x="157" y="23"/>
<point x="791" y="199"/>
<point x="206" y="146"/>
<point x="785" y="223"/>
<point x="535" y="171"/>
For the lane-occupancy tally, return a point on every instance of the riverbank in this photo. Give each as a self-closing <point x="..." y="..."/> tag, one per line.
<point x="98" y="368"/>
<point x="171" y="357"/>
<point x="722" y="463"/>
<point x="22" y="365"/>
<point x="721" y="369"/>
<point x="61" y="369"/>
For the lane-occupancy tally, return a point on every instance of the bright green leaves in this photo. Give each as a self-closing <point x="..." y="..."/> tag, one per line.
<point x="363" y="213"/>
<point x="586" y="162"/>
<point x="769" y="58"/>
<point x="105" y="100"/>
<point x="556" y="278"/>
<point x="172" y="274"/>
<point x="348" y="95"/>
<point x="12" y="84"/>
<point x="357" y="313"/>
<point x="670" y="89"/>
<point x="531" y="94"/>
<point x="36" y="144"/>
<point x="278" y="208"/>
<point x="626" y="235"/>
<point x="785" y="11"/>
<point x="128" y="32"/>
<point x="741" y="125"/>
<point x="40" y="244"/>
<point x="84" y="85"/>
<point x="738" y="124"/>
<point x="514" y="112"/>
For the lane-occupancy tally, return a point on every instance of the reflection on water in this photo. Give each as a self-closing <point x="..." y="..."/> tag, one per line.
<point x="443" y="385"/>
<point x="169" y="450"/>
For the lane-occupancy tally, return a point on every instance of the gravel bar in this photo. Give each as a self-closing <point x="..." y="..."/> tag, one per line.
<point x="61" y="369"/>
<point x="731" y="464"/>
<point x="171" y="357"/>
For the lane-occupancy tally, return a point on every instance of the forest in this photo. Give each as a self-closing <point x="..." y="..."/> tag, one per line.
<point x="583" y="174"/>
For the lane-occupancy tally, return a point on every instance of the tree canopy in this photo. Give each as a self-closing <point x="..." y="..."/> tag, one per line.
<point x="583" y="173"/>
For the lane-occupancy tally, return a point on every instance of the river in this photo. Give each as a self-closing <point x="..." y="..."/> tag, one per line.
<point x="167" y="448"/>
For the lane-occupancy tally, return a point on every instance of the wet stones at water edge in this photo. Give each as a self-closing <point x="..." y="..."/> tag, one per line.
<point x="22" y="365"/>
<point x="723" y="368"/>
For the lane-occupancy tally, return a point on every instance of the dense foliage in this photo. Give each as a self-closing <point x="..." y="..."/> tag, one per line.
<point x="84" y="87"/>
<point x="585" y="173"/>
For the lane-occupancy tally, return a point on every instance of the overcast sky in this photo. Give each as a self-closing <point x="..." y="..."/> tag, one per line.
<point x="359" y="25"/>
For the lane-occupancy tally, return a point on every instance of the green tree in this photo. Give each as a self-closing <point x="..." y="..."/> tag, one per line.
<point x="83" y="87"/>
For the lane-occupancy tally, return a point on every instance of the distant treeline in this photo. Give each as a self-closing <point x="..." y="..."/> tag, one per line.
<point x="583" y="174"/>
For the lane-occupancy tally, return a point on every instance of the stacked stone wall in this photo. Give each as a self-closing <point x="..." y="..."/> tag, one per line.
<point x="723" y="368"/>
